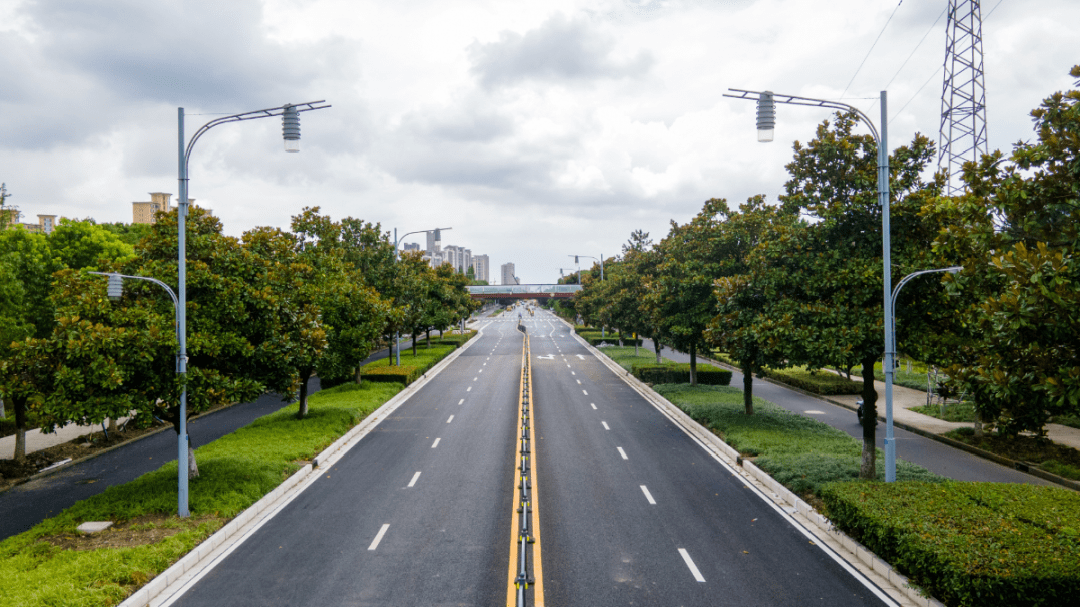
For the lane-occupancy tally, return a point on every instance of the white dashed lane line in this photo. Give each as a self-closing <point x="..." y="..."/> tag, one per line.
<point x="605" y="426"/>
<point x="469" y="389"/>
<point x="690" y="563"/>
<point x="586" y="392"/>
<point x="461" y="402"/>
<point x="593" y="405"/>
<point x="579" y="382"/>
<point x="379" y="535"/>
<point x="415" y="477"/>
<point x="436" y="443"/>
<point x="648" y="495"/>
<point x="450" y="420"/>
<point x="621" y="452"/>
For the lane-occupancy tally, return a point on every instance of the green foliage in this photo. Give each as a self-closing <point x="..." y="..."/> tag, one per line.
<point x="969" y="543"/>
<point x="405" y="374"/>
<point x="952" y="412"/>
<point x="83" y="244"/>
<point x="237" y="470"/>
<point x="818" y="382"/>
<point x="624" y="356"/>
<point x="414" y="365"/>
<point x="130" y="233"/>
<point x="678" y="373"/>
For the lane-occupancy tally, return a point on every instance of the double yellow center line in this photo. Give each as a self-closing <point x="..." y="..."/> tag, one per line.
<point x="525" y="518"/>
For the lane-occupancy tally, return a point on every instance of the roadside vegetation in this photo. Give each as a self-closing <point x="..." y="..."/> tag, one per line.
<point x="52" y="564"/>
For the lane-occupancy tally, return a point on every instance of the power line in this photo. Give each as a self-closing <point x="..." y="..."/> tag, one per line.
<point x="871" y="48"/>
<point x="916" y="47"/>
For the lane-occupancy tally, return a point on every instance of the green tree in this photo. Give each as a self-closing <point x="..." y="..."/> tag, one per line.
<point x="1021" y="215"/>
<point x="821" y="277"/>
<point x="130" y="233"/>
<point x="741" y="299"/>
<point x="81" y="244"/>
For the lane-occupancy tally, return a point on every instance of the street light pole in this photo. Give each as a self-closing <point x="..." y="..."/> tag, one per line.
<point x="766" y="120"/>
<point x="291" y="133"/>
<point x="397" y="335"/>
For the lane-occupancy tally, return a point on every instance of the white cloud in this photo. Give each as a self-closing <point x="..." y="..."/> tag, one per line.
<point x="535" y="129"/>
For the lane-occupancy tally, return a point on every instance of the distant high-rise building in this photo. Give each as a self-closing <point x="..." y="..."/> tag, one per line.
<point x="411" y="246"/>
<point x="45" y="223"/>
<point x="508" y="277"/>
<point x="458" y="257"/>
<point x="480" y="267"/>
<point x="143" y="212"/>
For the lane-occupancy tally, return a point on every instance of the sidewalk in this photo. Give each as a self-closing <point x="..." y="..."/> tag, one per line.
<point x="36" y="440"/>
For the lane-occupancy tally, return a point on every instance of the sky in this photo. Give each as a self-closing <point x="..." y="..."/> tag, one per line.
<point x="535" y="130"/>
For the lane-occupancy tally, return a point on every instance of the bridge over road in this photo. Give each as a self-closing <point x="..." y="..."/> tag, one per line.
<point x="523" y="291"/>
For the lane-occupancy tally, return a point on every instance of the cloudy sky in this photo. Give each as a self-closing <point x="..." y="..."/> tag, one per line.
<point x="535" y="129"/>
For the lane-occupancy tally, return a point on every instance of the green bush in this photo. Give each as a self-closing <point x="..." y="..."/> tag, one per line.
<point x="818" y="382"/>
<point x="969" y="543"/>
<point x="595" y="339"/>
<point x="383" y="373"/>
<point x="679" y="373"/>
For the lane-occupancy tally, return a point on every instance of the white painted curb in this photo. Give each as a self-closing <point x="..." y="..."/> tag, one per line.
<point x="853" y="552"/>
<point x="171" y="583"/>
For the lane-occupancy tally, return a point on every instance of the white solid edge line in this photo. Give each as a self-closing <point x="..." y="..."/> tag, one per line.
<point x="690" y="563"/>
<point x="605" y="426"/>
<point x="436" y="443"/>
<point x="846" y="566"/>
<point x="450" y="420"/>
<point x="648" y="495"/>
<point x="379" y="535"/>
<point x="359" y="432"/>
<point x="622" y="453"/>
<point x="414" y="478"/>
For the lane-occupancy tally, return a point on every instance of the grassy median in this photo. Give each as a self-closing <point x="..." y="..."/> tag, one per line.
<point x="53" y="565"/>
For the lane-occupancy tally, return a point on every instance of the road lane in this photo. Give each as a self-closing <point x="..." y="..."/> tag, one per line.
<point x="606" y="543"/>
<point x="400" y="519"/>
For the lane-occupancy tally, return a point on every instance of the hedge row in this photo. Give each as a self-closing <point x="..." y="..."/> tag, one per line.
<point x="819" y="382"/>
<point x="969" y="543"/>
<point x="680" y="374"/>
<point x="380" y="371"/>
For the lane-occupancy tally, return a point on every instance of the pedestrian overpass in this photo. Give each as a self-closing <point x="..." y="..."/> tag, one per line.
<point x="523" y="291"/>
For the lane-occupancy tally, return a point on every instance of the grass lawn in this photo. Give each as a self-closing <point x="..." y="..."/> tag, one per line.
<point x="953" y="412"/>
<point x="801" y="453"/>
<point x="51" y="565"/>
<point x="1057" y="459"/>
<point x="624" y="356"/>
<point x="914" y="379"/>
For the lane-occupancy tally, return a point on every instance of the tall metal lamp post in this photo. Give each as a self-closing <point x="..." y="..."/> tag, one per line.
<point x="603" y="330"/>
<point x="397" y="336"/>
<point x="290" y="126"/>
<point x="766" y="123"/>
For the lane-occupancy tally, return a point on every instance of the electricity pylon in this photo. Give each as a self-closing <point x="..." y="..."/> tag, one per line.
<point x="962" y="136"/>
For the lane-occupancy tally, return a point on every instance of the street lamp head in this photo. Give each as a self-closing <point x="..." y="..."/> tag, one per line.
<point x="115" y="287"/>
<point x="290" y="128"/>
<point x="954" y="269"/>
<point x="766" y="116"/>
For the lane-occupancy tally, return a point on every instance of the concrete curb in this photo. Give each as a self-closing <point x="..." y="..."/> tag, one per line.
<point x="885" y="575"/>
<point x="162" y="589"/>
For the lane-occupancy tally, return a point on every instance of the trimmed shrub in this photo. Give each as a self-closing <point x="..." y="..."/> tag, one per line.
<point x="680" y="374"/>
<point x="382" y="373"/>
<point x="969" y="543"/>
<point x="611" y="340"/>
<point x="820" y="382"/>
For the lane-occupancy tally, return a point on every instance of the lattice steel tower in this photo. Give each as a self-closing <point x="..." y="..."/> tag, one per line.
<point x="962" y="136"/>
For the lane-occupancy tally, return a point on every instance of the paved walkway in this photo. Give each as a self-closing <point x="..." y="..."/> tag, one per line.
<point x="37" y="440"/>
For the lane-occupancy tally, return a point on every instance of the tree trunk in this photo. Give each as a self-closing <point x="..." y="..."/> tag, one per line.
<point x="20" y="428"/>
<point x="868" y="470"/>
<point x="658" y="347"/>
<point x="748" y="387"/>
<point x="359" y="377"/>
<point x="3" y="413"/>
<point x="414" y="345"/>
<point x="429" y="339"/>
<point x="390" y="359"/>
<point x="693" y="364"/>
<point x="635" y="345"/>
<point x="112" y="426"/>
<point x="304" y="377"/>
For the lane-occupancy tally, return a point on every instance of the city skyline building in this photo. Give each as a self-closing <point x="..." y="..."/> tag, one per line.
<point x="508" y="277"/>
<point x="480" y="266"/>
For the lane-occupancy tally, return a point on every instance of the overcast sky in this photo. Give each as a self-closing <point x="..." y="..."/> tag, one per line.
<point x="535" y="129"/>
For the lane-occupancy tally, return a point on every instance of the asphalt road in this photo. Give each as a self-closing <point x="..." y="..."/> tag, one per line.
<point x="417" y="513"/>
<point x="633" y="512"/>
<point x="26" y="505"/>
